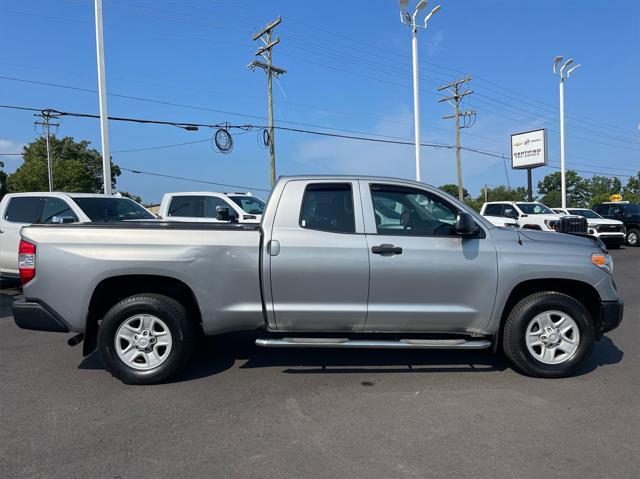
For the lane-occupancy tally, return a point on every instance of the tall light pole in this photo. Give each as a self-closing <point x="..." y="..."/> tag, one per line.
<point x="102" y="93"/>
<point x="410" y="20"/>
<point x="563" y="76"/>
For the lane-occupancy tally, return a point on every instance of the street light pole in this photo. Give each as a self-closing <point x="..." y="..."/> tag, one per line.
<point x="563" y="180"/>
<point x="561" y="74"/>
<point x="102" y="93"/>
<point x="410" y="20"/>
<point x="416" y="100"/>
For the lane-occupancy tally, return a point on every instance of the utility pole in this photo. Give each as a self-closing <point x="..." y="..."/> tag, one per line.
<point x="272" y="72"/>
<point x="102" y="93"/>
<point x="46" y="124"/>
<point x="456" y="96"/>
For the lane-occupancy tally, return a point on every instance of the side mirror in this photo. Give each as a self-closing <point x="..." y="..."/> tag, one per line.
<point x="63" y="219"/>
<point x="465" y="226"/>
<point x="223" y="214"/>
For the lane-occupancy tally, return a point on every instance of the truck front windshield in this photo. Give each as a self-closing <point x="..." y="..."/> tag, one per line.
<point x="249" y="204"/>
<point x="112" y="209"/>
<point x="535" y="209"/>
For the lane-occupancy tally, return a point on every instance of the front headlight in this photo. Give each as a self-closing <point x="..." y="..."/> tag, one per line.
<point x="603" y="261"/>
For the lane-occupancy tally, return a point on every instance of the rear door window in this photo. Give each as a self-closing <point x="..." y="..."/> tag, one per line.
<point x="328" y="207"/>
<point x="186" y="206"/>
<point x="493" y="210"/>
<point x="56" y="207"/>
<point x="24" y="209"/>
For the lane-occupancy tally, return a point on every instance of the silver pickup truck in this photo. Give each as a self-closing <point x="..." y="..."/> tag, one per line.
<point x="337" y="262"/>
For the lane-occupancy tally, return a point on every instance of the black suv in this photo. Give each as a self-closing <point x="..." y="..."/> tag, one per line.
<point x="628" y="213"/>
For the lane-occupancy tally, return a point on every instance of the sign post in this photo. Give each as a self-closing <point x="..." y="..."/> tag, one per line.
<point x="528" y="151"/>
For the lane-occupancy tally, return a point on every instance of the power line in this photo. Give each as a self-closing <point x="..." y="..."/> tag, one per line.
<point x="151" y="173"/>
<point x="400" y="141"/>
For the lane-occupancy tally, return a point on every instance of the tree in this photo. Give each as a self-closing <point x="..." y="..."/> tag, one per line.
<point x="3" y="181"/>
<point x="601" y="185"/>
<point x="631" y="191"/>
<point x="503" y="193"/>
<point x="76" y="168"/>
<point x="453" y="191"/>
<point x="136" y="198"/>
<point x="577" y="190"/>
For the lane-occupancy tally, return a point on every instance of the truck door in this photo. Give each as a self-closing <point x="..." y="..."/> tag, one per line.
<point x="319" y="264"/>
<point x="423" y="276"/>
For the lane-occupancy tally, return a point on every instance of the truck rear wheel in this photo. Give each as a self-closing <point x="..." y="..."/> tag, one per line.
<point x="548" y="335"/>
<point x="633" y="237"/>
<point x="146" y="338"/>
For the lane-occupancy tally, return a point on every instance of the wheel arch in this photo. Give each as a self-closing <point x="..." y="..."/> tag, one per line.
<point x="115" y="288"/>
<point x="583" y="292"/>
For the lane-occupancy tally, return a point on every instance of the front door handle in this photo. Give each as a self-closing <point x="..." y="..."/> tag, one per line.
<point x="386" y="249"/>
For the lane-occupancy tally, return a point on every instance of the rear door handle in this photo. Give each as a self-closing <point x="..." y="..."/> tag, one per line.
<point x="386" y="249"/>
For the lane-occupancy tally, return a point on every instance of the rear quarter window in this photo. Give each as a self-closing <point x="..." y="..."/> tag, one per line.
<point x="185" y="206"/>
<point x="493" y="210"/>
<point x="24" y="209"/>
<point x="328" y="207"/>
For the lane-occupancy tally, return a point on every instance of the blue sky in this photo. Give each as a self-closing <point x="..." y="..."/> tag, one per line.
<point x="349" y="66"/>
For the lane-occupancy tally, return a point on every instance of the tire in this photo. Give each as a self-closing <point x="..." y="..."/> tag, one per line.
<point x="633" y="237"/>
<point x="166" y="349"/>
<point x="528" y="359"/>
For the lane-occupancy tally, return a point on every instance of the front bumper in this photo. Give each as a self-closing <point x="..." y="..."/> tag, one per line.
<point x="610" y="315"/>
<point x="37" y="316"/>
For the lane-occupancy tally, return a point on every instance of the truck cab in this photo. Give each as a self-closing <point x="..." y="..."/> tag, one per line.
<point x="203" y="206"/>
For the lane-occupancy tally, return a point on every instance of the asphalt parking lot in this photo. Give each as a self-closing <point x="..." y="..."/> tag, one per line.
<point x="240" y="411"/>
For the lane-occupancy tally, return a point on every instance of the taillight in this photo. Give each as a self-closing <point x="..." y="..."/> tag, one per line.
<point x="26" y="261"/>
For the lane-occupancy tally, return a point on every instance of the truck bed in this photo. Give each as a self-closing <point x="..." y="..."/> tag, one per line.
<point x="219" y="262"/>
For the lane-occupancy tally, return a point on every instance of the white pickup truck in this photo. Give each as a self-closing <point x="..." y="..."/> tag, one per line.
<point x="203" y="206"/>
<point x="22" y="209"/>
<point x="528" y="215"/>
<point x="611" y="232"/>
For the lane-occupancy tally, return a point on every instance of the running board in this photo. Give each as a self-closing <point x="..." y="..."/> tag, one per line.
<point x="373" y="344"/>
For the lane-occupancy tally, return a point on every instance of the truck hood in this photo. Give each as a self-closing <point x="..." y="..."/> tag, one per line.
<point x="553" y="238"/>
<point x="603" y="221"/>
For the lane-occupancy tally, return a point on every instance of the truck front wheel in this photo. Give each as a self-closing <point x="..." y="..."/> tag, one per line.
<point x="146" y="338"/>
<point x="548" y="335"/>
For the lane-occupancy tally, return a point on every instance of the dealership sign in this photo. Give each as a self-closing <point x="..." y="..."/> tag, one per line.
<point x="529" y="149"/>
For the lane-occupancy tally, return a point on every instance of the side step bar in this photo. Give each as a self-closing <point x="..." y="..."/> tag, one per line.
<point x="373" y="344"/>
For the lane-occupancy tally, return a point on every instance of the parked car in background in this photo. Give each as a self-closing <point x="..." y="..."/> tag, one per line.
<point x="337" y="262"/>
<point x="202" y="206"/>
<point x="611" y="232"/>
<point x="530" y="215"/>
<point x="21" y="209"/>
<point x="628" y="213"/>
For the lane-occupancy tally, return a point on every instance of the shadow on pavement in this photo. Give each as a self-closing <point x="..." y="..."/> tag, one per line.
<point x="604" y="353"/>
<point x="217" y="354"/>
